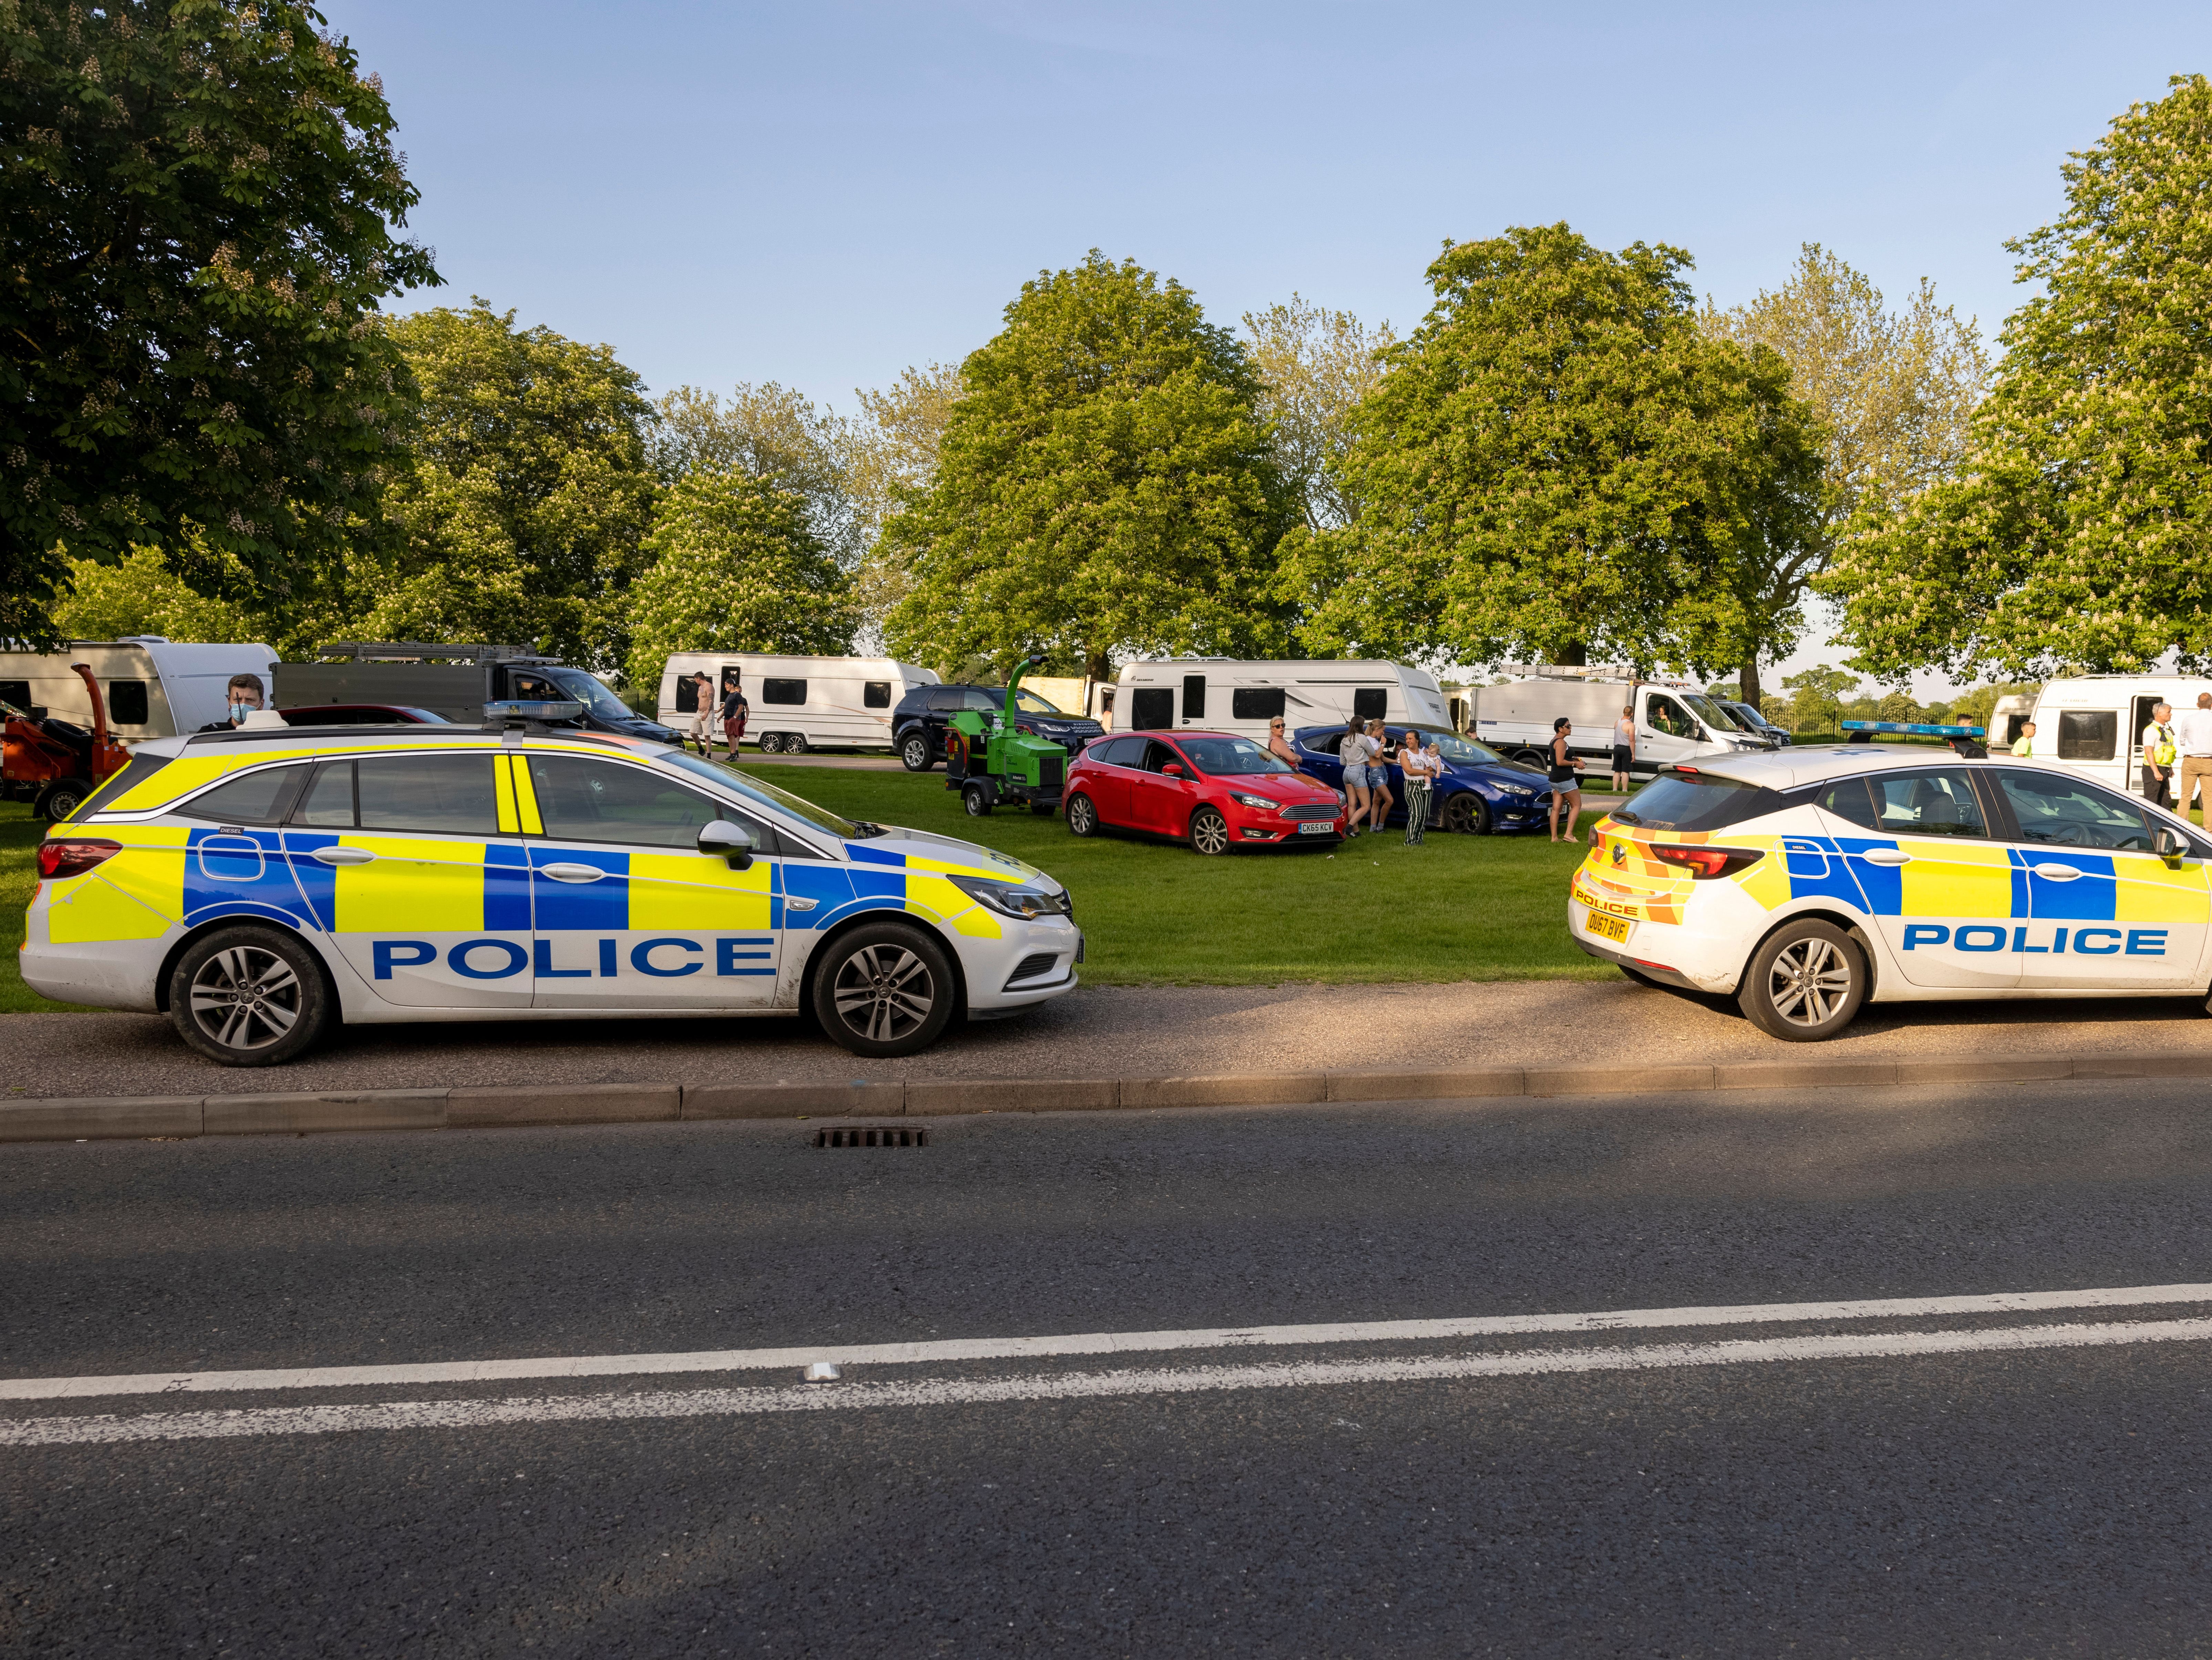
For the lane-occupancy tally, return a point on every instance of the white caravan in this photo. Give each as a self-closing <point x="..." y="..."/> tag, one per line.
<point x="2092" y="724"/>
<point x="1221" y="695"/>
<point x="797" y="703"/>
<point x="2013" y="710"/>
<point x="153" y="687"/>
<point x="1675" y="721"/>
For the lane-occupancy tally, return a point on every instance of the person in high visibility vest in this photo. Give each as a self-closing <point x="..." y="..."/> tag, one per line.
<point x="2158" y="756"/>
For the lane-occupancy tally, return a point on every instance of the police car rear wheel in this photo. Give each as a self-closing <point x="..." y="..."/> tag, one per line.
<point x="1805" y="984"/>
<point x="249" y="997"/>
<point x="914" y="753"/>
<point x="885" y="990"/>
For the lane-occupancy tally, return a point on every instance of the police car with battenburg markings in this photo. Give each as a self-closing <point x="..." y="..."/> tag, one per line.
<point x="259" y="884"/>
<point x="1809" y="882"/>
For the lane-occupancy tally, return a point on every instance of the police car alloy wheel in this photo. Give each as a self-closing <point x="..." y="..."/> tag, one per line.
<point x="884" y="989"/>
<point x="1209" y="832"/>
<point x="914" y="753"/>
<point x="1805" y="982"/>
<point x="1082" y="816"/>
<point x="248" y="996"/>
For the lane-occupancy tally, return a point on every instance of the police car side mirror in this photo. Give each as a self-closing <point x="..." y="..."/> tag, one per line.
<point x="2168" y="843"/>
<point x="733" y="842"/>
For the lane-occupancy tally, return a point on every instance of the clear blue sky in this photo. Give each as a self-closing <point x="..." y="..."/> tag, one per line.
<point x="821" y="193"/>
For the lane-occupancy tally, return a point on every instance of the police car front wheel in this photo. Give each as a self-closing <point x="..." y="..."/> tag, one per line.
<point x="884" y="989"/>
<point x="249" y="996"/>
<point x="1805" y="982"/>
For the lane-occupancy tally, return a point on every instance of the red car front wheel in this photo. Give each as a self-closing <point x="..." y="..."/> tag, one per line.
<point x="1209" y="832"/>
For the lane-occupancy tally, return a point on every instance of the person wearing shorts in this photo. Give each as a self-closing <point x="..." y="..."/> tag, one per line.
<point x="734" y="710"/>
<point x="1623" y="747"/>
<point x="1353" y="751"/>
<point x="1567" y="786"/>
<point x="1380" y="754"/>
<point x="702" y="718"/>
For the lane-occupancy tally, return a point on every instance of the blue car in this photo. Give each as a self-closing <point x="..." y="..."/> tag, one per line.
<point x="1479" y="791"/>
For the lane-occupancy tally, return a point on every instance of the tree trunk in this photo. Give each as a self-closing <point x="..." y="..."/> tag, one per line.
<point x="1746" y="683"/>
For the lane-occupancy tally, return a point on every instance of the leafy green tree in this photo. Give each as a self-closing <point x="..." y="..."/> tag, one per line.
<point x="2078" y="529"/>
<point x="1558" y="464"/>
<point x="196" y="203"/>
<point x="1892" y="392"/>
<point x="1817" y="696"/>
<point x="892" y="452"/>
<point x="736" y="566"/>
<point x="140" y="593"/>
<point x="1316" y="365"/>
<point x="530" y="493"/>
<point x="1105" y="486"/>
<point x="1898" y="705"/>
<point x="775" y="434"/>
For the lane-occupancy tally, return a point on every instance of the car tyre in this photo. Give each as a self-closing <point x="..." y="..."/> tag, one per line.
<point x="1209" y="832"/>
<point x="62" y="798"/>
<point x="884" y="989"/>
<point x="1466" y="814"/>
<point x="794" y="743"/>
<point x="914" y="753"/>
<point x="250" y="996"/>
<point x="770" y="743"/>
<point x="1082" y="816"/>
<point x="976" y="801"/>
<point x="1805" y="982"/>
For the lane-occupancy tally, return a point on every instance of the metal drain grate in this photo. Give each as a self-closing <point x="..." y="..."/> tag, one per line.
<point x="872" y="1138"/>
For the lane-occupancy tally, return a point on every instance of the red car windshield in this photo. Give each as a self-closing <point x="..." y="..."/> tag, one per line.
<point x="1230" y="757"/>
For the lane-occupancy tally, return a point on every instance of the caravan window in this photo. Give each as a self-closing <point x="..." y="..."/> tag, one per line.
<point x="126" y="703"/>
<point x="1370" y="702"/>
<point x="687" y="693"/>
<point x="17" y="692"/>
<point x="1152" y="708"/>
<point x="2088" y="734"/>
<point x="788" y="692"/>
<point x="875" y="695"/>
<point x="1255" y="702"/>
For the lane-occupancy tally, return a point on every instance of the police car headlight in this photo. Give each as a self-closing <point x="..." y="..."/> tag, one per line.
<point x="1257" y="803"/>
<point x="1020" y="900"/>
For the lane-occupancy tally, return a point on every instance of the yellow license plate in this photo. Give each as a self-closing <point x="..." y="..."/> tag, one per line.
<point x="1615" y="928"/>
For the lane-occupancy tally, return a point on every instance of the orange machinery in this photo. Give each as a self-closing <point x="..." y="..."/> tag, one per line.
<point x="57" y="763"/>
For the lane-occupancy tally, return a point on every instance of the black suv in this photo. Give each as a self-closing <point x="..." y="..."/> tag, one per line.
<point x="918" y="723"/>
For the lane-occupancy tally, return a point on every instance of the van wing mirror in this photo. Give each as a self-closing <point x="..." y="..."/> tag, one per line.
<point x="2168" y="842"/>
<point x="734" y="842"/>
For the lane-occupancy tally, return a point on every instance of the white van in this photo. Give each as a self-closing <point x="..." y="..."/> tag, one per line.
<point x="1222" y="695"/>
<point x="798" y="703"/>
<point x="2090" y="724"/>
<point x="1675" y="721"/>
<point x="153" y="687"/>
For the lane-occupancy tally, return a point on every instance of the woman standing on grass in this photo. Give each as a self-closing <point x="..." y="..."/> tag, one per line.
<point x="1380" y="751"/>
<point x="1566" y="788"/>
<point x="1353" y="751"/>
<point x="1420" y="766"/>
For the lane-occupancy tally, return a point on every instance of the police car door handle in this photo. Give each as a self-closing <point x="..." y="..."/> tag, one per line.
<point x="342" y="855"/>
<point x="1887" y="856"/>
<point x="572" y="873"/>
<point x="2056" y="873"/>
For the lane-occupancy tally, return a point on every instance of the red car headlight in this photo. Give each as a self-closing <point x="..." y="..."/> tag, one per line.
<point x="60" y="858"/>
<point x="1705" y="863"/>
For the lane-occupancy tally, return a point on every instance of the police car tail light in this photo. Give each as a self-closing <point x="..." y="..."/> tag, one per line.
<point x="60" y="858"/>
<point x="1705" y="863"/>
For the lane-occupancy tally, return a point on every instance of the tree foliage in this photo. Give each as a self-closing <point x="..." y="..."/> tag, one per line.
<point x="2077" y="532"/>
<point x="196" y="199"/>
<point x="141" y="593"/>
<point x="892" y="451"/>
<point x="1315" y="365"/>
<point x="775" y="434"/>
<point x="735" y="566"/>
<point x="1105" y="485"/>
<point x="1556" y="464"/>
<point x="1893" y="392"/>
<point x="531" y="490"/>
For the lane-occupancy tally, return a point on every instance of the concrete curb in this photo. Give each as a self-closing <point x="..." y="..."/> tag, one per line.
<point x="178" y="1118"/>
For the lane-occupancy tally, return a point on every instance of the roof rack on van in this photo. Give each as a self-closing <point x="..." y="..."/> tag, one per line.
<point x="364" y="651"/>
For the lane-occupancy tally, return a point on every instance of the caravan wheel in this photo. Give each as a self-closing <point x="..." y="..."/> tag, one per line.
<point x="771" y="743"/>
<point x="794" y="743"/>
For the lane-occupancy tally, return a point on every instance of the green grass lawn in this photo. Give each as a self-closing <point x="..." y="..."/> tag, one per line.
<point x="1460" y="908"/>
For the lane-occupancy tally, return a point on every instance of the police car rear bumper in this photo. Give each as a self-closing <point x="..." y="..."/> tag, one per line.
<point x="115" y="975"/>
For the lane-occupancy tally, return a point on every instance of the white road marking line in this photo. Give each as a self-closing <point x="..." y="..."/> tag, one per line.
<point x="1130" y="1342"/>
<point x="108" y="1427"/>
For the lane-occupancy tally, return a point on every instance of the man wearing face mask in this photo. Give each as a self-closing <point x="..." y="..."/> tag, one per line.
<point x="245" y="695"/>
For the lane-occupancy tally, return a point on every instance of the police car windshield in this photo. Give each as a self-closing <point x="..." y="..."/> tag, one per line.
<point x="1452" y="747"/>
<point x="1230" y="757"/>
<point x="586" y="690"/>
<point x="767" y="795"/>
<point x="1695" y="801"/>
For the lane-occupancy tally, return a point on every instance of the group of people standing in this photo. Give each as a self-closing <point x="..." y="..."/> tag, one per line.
<point x="730" y="709"/>
<point x="2170" y="744"/>
<point x="1368" y="750"/>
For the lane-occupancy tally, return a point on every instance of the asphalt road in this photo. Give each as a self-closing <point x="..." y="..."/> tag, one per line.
<point x="2016" y="1501"/>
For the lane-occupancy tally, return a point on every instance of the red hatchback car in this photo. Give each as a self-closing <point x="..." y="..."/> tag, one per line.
<point x="1217" y="789"/>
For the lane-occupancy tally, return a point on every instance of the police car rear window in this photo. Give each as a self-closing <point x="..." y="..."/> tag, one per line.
<point x="261" y="797"/>
<point x="1697" y="801"/>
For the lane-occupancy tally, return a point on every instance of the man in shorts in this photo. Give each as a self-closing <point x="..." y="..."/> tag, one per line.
<point x="734" y="709"/>
<point x="703" y="711"/>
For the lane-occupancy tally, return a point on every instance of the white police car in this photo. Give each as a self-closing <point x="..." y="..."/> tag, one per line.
<point x="1810" y="881"/>
<point x="256" y="884"/>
